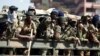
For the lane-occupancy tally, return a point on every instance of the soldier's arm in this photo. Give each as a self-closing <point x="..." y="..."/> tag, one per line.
<point x="18" y="35"/>
<point x="94" y="28"/>
<point x="57" y="32"/>
<point x="34" y="28"/>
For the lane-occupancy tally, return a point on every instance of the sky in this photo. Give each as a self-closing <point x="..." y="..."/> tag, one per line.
<point x="21" y="4"/>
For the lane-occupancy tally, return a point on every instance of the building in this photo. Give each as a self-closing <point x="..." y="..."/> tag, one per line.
<point x="91" y="6"/>
<point x="78" y="7"/>
<point x="41" y="3"/>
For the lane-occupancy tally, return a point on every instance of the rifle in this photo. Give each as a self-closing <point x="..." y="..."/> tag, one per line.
<point x="30" y="43"/>
<point x="66" y="29"/>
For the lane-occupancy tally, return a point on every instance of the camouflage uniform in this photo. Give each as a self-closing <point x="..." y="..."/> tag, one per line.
<point x="52" y="27"/>
<point x="70" y="32"/>
<point x="47" y="30"/>
<point x="92" y="30"/>
<point x="81" y="34"/>
<point x="68" y="35"/>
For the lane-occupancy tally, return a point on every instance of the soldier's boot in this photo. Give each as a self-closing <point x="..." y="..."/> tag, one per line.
<point x="81" y="53"/>
<point x="68" y="52"/>
<point x="95" y="40"/>
<point x="44" y="52"/>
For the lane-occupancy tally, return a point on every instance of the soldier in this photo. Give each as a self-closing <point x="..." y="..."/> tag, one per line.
<point x="49" y="25"/>
<point x="51" y="29"/>
<point x="12" y="21"/>
<point x="89" y="29"/>
<point x="12" y="15"/>
<point x="85" y="31"/>
<point x="81" y="34"/>
<point x="64" y="24"/>
<point x="40" y="29"/>
<point x="24" y="32"/>
<point x="92" y="31"/>
<point x="92" y="36"/>
<point x="69" y="33"/>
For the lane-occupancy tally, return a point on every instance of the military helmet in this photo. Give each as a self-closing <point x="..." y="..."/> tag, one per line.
<point x="13" y="8"/>
<point x="31" y="8"/>
<point x="54" y="13"/>
<point x="61" y="14"/>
